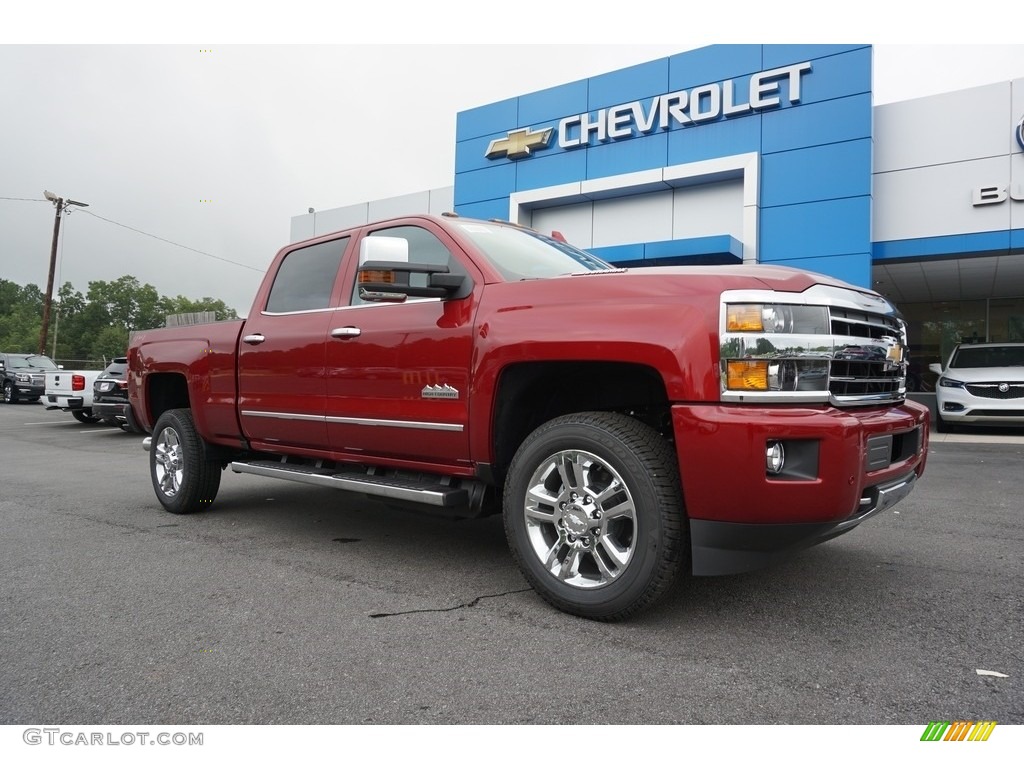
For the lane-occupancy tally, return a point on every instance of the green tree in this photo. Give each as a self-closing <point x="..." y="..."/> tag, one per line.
<point x="21" y="316"/>
<point x="110" y="342"/>
<point x="181" y="305"/>
<point x="94" y="326"/>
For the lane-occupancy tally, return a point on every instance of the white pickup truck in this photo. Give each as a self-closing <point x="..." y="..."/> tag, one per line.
<point x="71" y="391"/>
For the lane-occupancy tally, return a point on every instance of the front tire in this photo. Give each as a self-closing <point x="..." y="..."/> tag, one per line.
<point x="185" y="476"/>
<point x="10" y="393"/>
<point x="942" y="426"/>
<point x="594" y="514"/>
<point x="85" y="416"/>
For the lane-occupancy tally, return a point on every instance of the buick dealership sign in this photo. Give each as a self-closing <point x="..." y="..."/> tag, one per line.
<point x="997" y="193"/>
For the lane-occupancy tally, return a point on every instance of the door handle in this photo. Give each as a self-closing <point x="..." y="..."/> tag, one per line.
<point x="347" y="332"/>
<point x="254" y="338"/>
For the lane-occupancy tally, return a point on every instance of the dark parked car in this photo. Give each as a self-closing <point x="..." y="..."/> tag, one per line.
<point x="110" y="396"/>
<point x="24" y="376"/>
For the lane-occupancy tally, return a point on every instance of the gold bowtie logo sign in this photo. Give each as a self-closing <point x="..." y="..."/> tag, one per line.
<point x="519" y="143"/>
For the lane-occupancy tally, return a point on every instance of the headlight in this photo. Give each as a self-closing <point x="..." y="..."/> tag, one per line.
<point x="24" y="378"/>
<point x="776" y="318"/>
<point x="953" y="383"/>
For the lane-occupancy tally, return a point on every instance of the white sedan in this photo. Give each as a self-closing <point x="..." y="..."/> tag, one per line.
<point x="982" y="384"/>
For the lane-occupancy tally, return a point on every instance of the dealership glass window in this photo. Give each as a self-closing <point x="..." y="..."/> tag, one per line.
<point x="1006" y="319"/>
<point x="934" y="328"/>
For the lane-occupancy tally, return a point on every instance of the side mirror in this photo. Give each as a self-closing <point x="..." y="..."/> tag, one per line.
<point x="935" y="368"/>
<point x="384" y="270"/>
<point x="389" y="281"/>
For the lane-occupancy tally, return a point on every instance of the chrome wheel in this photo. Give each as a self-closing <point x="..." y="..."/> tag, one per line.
<point x="168" y="462"/>
<point x="594" y="514"/>
<point x="580" y="519"/>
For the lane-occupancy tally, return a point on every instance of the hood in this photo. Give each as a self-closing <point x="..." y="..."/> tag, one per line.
<point x="1009" y="373"/>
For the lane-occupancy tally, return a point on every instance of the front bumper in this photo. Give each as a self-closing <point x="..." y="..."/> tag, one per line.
<point x="23" y="389"/>
<point x="958" y="406"/>
<point x="848" y="465"/>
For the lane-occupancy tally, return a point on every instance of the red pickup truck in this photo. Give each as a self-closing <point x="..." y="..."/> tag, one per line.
<point x="630" y="424"/>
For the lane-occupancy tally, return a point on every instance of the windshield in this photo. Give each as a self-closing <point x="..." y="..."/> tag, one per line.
<point x="987" y="357"/>
<point x="32" y="361"/>
<point x="522" y="254"/>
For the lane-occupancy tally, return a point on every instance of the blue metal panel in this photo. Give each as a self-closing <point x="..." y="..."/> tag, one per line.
<point x="829" y="228"/>
<point x="629" y="84"/>
<point x="922" y="247"/>
<point x="712" y="140"/>
<point x="551" y="105"/>
<point x="695" y="246"/>
<point x="488" y="209"/>
<point x="854" y="268"/>
<point x="485" y="184"/>
<point x="469" y="154"/>
<point x="627" y="156"/>
<point x="823" y="122"/>
<point x="715" y="249"/>
<point x="836" y="76"/>
<point x="779" y="55"/>
<point x="712" y="64"/>
<point x="620" y="255"/>
<point x="480" y="121"/>
<point x="816" y="173"/>
<point x="548" y="170"/>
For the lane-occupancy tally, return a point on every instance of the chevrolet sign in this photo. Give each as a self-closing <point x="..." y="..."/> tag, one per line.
<point x="679" y="108"/>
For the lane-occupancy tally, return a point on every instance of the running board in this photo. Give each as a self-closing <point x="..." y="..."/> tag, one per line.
<point x="434" y="494"/>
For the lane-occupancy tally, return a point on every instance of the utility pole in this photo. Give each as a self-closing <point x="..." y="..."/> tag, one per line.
<point x="61" y="205"/>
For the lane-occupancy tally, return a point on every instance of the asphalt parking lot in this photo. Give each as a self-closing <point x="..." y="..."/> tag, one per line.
<point x="291" y="604"/>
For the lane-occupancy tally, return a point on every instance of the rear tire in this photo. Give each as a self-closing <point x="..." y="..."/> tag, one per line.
<point x="85" y="416"/>
<point x="185" y="476"/>
<point x="594" y="514"/>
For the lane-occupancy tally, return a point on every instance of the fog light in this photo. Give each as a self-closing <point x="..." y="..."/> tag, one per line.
<point x="775" y="457"/>
<point x="952" y="407"/>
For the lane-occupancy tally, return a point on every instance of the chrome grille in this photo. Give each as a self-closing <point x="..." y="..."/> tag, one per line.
<point x="861" y="368"/>
<point x="1013" y="391"/>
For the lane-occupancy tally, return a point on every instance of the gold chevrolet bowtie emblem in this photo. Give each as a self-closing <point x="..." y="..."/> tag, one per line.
<point x="519" y="143"/>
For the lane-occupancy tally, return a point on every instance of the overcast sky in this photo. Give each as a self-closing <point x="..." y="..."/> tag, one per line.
<point x="146" y="134"/>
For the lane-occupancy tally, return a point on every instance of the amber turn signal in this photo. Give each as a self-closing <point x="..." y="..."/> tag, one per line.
<point x="377" y="276"/>
<point x="751" y="375"/>
<point x="744" y="317"/>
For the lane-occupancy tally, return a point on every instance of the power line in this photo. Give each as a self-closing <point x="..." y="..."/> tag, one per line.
<point x="171" y="242"/>
<point x="147" y="234"/>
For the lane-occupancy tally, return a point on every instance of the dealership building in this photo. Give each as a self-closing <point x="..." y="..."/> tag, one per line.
<point x="772" y="154"/>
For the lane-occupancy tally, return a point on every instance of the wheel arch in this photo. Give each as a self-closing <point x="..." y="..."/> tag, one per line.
<point x="530" y="394"/>
<point x="165" y="391"/>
